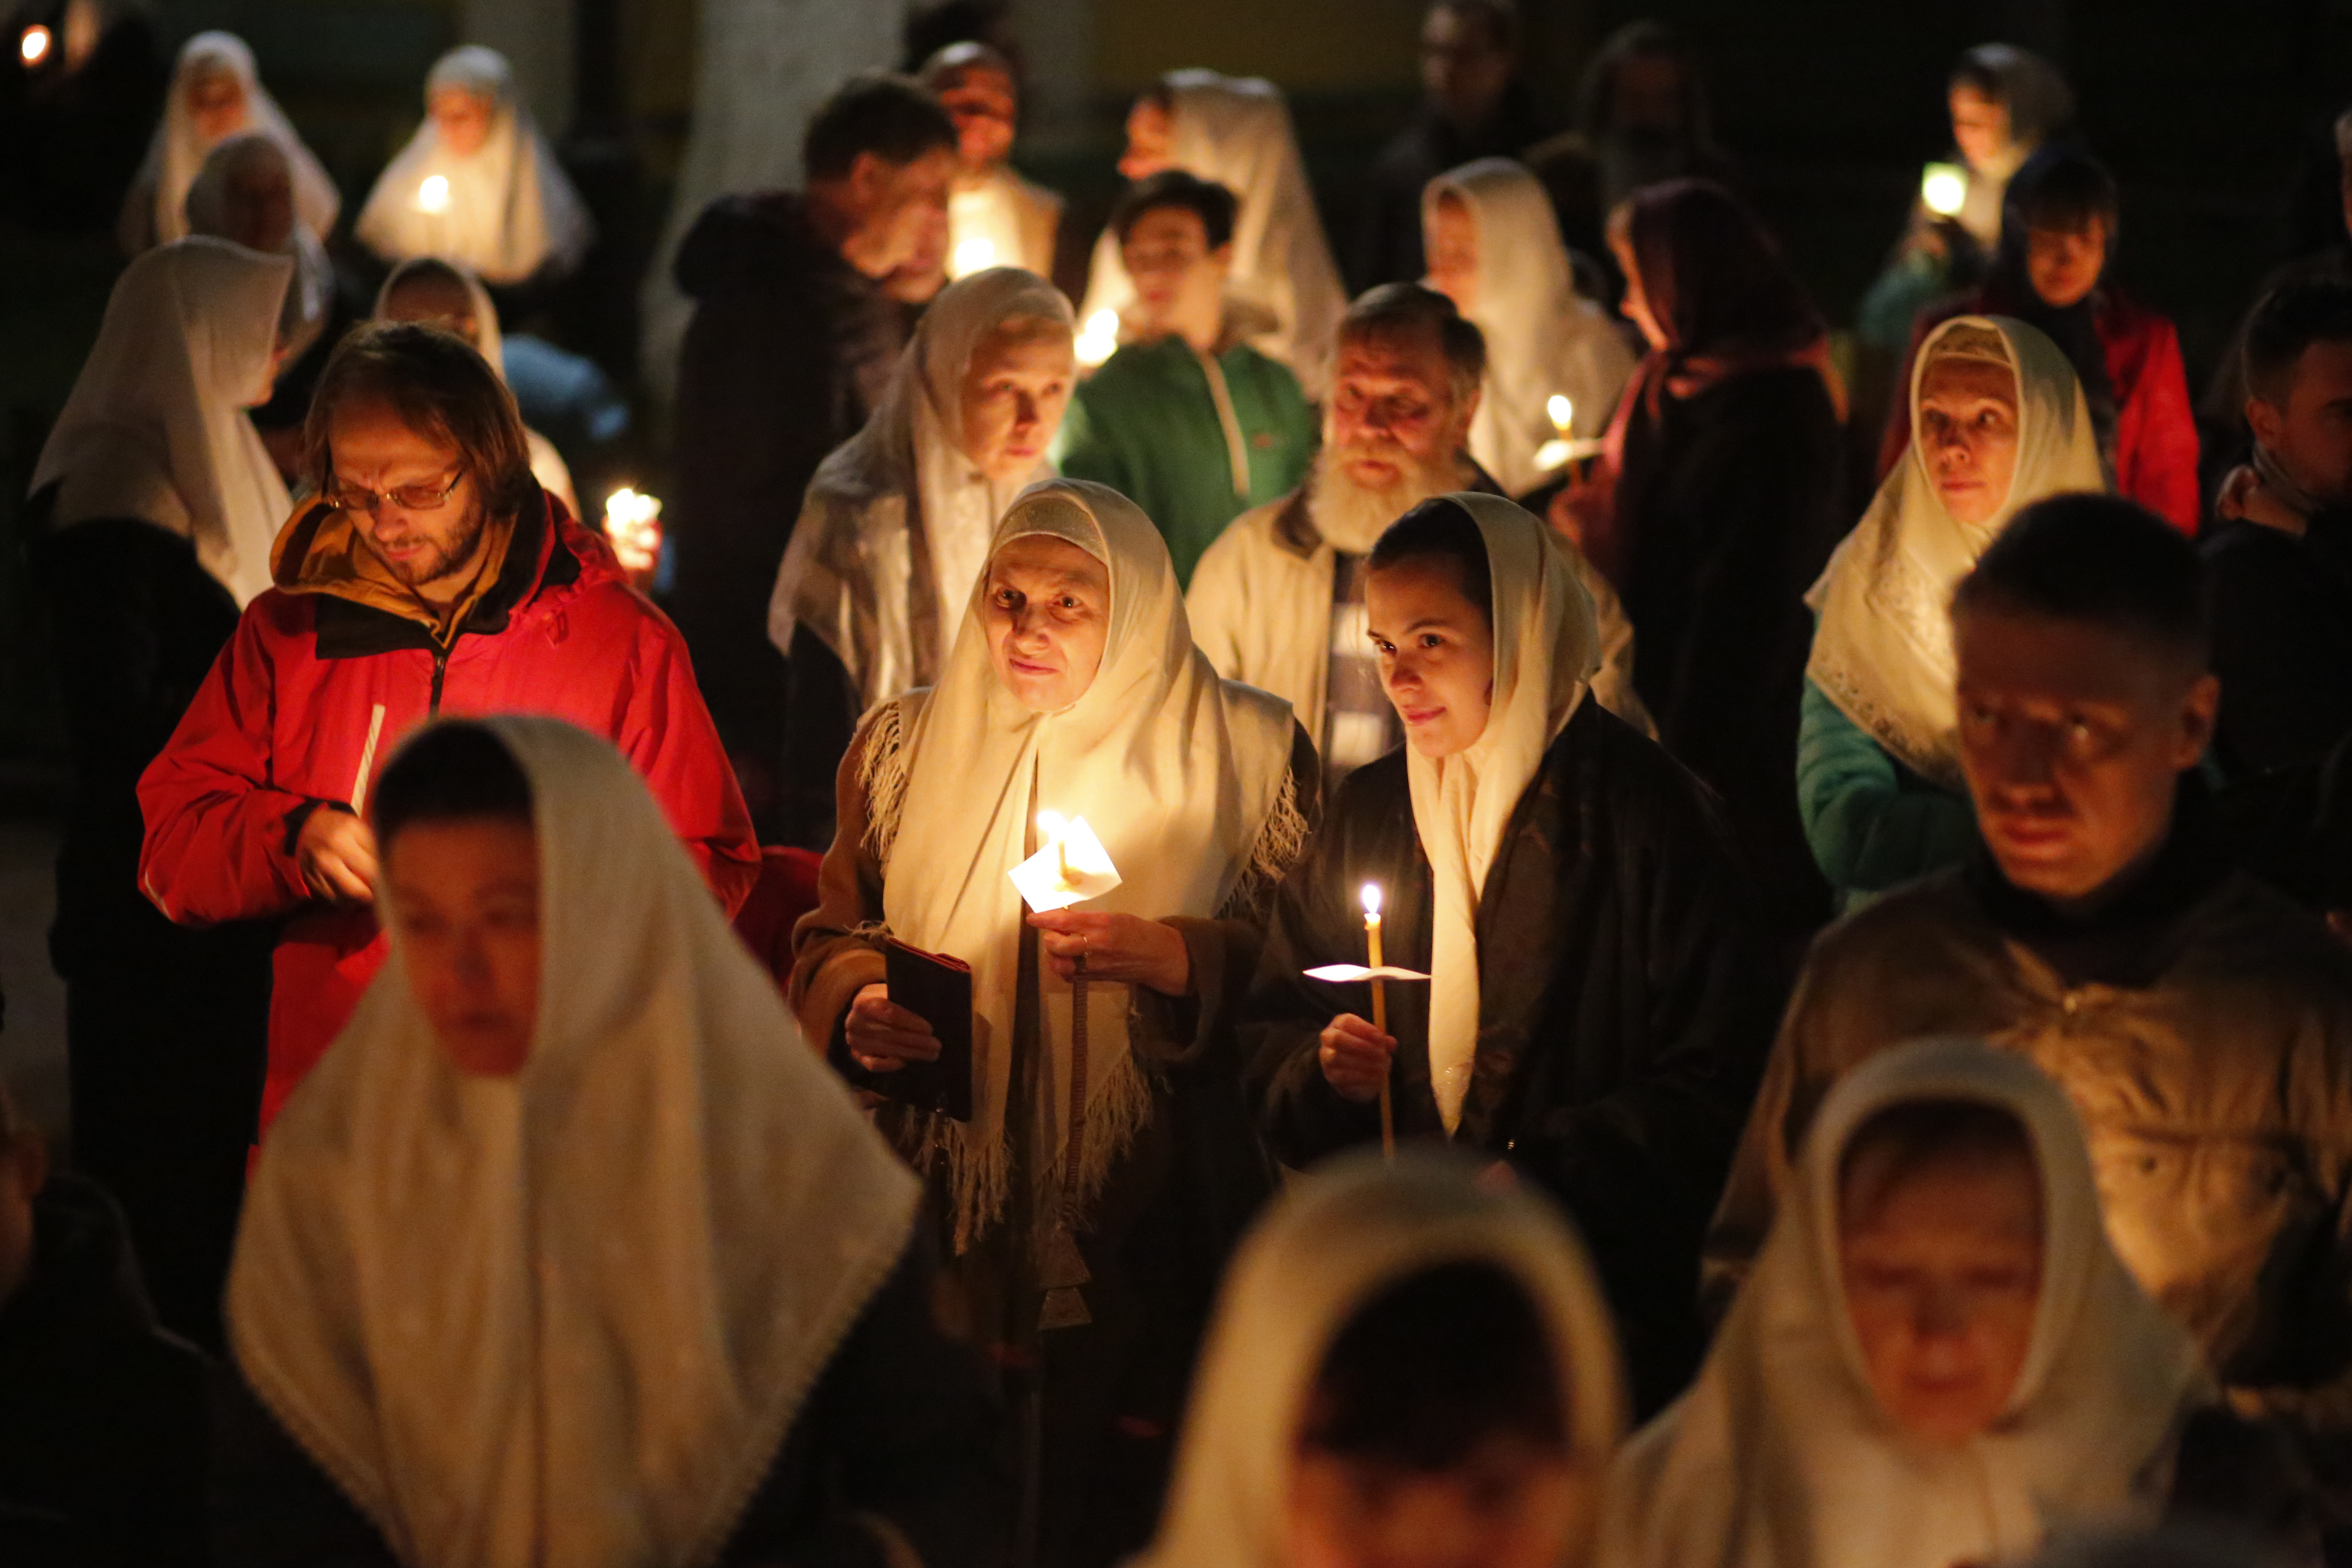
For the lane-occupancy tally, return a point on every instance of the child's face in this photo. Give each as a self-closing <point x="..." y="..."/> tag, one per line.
<point x="1509" y="1505"/>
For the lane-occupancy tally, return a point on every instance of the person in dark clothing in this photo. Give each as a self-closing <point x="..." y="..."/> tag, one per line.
<point x="1474" y="106"/>
<point x="101" y="1412"/>
<point x="792" y="340"/>
<point x="1717" y="504"/>
<point x="154" y="509"/>
<point x="445" y="1339"/>
<point x="1596" y="1016"/>
<point x="2281" y="567"/>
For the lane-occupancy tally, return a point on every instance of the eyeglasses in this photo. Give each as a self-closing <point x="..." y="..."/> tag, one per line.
<point x="426" y="498"/>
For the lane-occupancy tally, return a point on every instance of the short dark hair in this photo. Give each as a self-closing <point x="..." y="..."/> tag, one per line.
<point x="1407" y="307"/>
<point x="1442" y="530"/>
<point x="882" y="112"/>
<point x="1928" y="1134"/>
<point x="2099" y="560"/>
<point x="440" y="387"/>
<point x="453" y="772"/>
<point x="2061" y="187"/>
<point x="1434" y="1366"/>
<point x="1176" y="188"/>
<point x="2291" y="318"/>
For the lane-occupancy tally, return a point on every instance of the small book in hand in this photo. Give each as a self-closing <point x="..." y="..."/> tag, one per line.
<point x="937" y="989"/>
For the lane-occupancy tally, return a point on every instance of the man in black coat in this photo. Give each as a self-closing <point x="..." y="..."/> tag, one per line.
<point x="793" y="335"/>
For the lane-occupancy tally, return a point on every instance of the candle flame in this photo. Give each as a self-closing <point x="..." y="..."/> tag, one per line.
<point x="1099" y="340"/>
<point x="1944" y="189"/>
<point x="433" y="196"/>
<point x="1371" y="896"/>
<point x="1053" y="824"/>
<point x="973" y="256"/>
<point x="35" y="45"/>
<point x="1562" y="411"/>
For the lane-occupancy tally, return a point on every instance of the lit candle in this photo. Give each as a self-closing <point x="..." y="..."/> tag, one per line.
<point x="1555" y="453"/>
<point x="975" y="254"/>
<point x="1944" y="189"/>
<point x="1562" y="411"/>
<point x="433" y="196"/>
<point x="1099" y="340"/>
<point x="1372" y="897"/>
<point x="633" y="522"/>
<point x="1057" y="829"/>
<point x="35" y="45"/>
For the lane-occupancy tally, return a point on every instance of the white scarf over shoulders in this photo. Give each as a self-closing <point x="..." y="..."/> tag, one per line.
<point x="1542" y="337"/>
<point x="155" y="211"/>
<point x="1176" y="771"/>
<point x="567" y="1317"/>
<point x="509" y="212"/>
<point x="1780" y="1455"/>
<point x="1546" y="649"/>
<point x="312" y="298"/>
<point x="857" y="563"/>
<point x="1883" y="644"/>
<point x="156" y="426"/>
<point x="1338" y="1239"/>
<point x="1236" y="132"/>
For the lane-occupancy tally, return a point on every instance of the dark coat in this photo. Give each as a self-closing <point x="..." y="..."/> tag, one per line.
<point x="2282" y="641"/>
<point x="101" y="1412"/>
<point x="1623" y="1017"/>
<point x="902" y="1427"/>
<point x="1389" y="243"/>
<point x="1738" y="496"/>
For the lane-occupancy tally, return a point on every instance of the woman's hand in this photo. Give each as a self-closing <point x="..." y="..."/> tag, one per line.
<point x="336" y="853"/>
<point x="1126" y="949"/>
<point x="1355" y="1058"/>
<point x="884" y="1037"/>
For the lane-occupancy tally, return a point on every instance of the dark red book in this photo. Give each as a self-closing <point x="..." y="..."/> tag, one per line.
<point x="936" y="989"/>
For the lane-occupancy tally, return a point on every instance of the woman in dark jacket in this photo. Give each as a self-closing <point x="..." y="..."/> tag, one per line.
<point x="1596" y="1017"/>
<point x="1719" y="498"/>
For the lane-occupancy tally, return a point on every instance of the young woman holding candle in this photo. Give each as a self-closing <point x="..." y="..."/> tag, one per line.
<point x="1595" y="1016"/>
<point x="1072" y="687"/>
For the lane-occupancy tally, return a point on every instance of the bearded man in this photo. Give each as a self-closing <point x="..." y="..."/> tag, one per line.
<point x="1278" y="600"/>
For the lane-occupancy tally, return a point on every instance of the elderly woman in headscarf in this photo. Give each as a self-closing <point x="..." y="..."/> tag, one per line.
<point x="478" y="183"/>
<point x="1998" y="422"/>
<point x="899" y="518"/>
<point x="1584" y="1002"/>
<point x="245" y="192"/>
<point x="1716" y="501"/>
<point x="1940" y="1358"/>
<point x="444" y="294"/>
<point x="569" y="1252"/>
<point x="154" y="509"/>
<point x="1089" y="1161"/>
<point x="1495" y="250"/>
<point x="1410" y="1366"/>
<point x="1235" y="131"/>
<point x="215" y="94"/>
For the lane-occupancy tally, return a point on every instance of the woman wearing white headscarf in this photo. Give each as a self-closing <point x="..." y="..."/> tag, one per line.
<point x="444" y="294"/>
<point x="477" y="184"/>
<point x="1235" y="131"/>
<point x="245" y="193"/>
<point x="1342" y="1242"/>
<point x="161" y="508"/>
<point x="1787" y="1453"/>
<point x="1495" y="250"/>
<point x="1878" y="770"/>
<point x="579" y="1257"/>
<point x="1592" y="1015"/>
<point x="899" y="518"/>
<point x="1092" y="1193"/>
<point x="216" y="93"/>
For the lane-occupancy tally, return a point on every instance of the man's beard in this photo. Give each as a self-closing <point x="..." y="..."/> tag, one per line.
<point x="445" y="557"/>
<point x="1353" y="516"/>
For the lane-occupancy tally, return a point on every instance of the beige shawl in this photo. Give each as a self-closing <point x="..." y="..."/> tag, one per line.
<point x="567" y="1317"/>
<point x="154" y="211"/>
<point x="1780" y="1455"/>
<point x="1177" y="771"/>
<point x="1883" y="646"/>
<point x="1547" y="647"/>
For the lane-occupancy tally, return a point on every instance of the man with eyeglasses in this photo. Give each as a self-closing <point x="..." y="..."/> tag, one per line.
<point x="431" y="576"/>
<point x="2201" y="1023"/>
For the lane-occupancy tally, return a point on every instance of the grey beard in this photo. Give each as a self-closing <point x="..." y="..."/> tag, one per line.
<point x="1352" y="518"/>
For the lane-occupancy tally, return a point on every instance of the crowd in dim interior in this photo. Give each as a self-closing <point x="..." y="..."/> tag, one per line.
<point x="1534" y="910"/>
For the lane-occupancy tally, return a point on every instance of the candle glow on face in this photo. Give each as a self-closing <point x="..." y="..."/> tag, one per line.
<point x="433" y="196"/>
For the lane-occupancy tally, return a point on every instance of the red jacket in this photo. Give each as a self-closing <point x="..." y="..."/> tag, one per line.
<point x="280" y="724"/>
<point x="2156" y="432"/>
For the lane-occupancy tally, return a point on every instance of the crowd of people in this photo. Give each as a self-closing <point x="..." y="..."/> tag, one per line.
<point x="1546" y="915"/>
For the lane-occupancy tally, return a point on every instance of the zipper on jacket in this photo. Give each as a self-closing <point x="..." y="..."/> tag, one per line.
<point x="440" y="669"/>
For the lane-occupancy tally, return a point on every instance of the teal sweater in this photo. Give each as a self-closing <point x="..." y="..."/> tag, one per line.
<point x="1873" y="824"/>
<point x="1146" y="424"/>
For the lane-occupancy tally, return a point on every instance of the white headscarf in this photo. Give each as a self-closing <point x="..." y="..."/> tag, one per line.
<point x="1236" y="131"/>
<point x="156" y="209"/>
<point x="1542" y="339"/>
<point x="1176" y="771"/>
<point x="1547" y="647"/>
<point x="156" y="426"/>
<point x="1338" y="1239"/>
<point x="911" y="447"/>
<point x="567" y="1317"/>
<point x="511" y="211"/>
<point x="1781" y="1455"/>
<point x="1883" y="646"/>
<point x="312" y="298"/>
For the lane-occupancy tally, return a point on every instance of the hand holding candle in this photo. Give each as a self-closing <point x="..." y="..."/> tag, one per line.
<point x="1371" y="896"/>
<point x="633" y="522"/>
